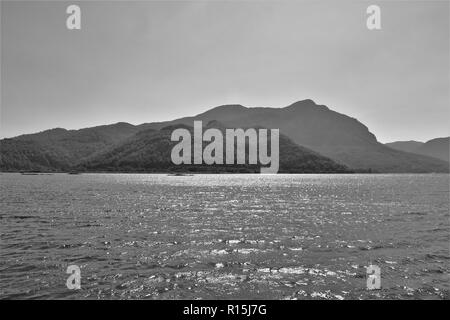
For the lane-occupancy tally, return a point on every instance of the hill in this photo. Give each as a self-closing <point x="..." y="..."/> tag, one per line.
<point x="332" y="134"/>
<point x="407" y="146"/>
<point x="436" y="148"/>
<point x="303" y="124"/>
<point x="59" y="149"/>
<point x="150" y="151"/>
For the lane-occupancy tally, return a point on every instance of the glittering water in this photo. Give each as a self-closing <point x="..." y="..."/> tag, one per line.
<point x="224" y="236"/>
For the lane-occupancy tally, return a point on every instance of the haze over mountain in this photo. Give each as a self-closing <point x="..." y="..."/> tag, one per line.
<point x="304" y="126"/>
<point x="407" y="146"/>
<point x="437" y="148"/>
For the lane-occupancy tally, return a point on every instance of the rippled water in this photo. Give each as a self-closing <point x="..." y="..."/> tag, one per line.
<point x="224" y="236"/>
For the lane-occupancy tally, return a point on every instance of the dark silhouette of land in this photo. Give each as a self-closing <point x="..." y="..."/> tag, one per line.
<point x="313" y="139"/>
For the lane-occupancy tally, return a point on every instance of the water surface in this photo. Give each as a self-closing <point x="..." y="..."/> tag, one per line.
<point x="224" y="236"/>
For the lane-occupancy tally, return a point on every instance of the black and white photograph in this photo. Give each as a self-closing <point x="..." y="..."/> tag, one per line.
<point x="244" y="150"/>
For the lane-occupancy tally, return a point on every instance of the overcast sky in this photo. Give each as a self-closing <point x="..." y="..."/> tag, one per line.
<point x="152" y="61"/>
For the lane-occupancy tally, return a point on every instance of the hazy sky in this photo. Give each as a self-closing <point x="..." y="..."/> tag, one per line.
<point x="151" y="61"/>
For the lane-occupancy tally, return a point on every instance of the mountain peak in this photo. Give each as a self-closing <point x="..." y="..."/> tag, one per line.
<point x="229" y="107"/>
<point x="303" y="103"/>
<point x="238" y="106"/>
<point x="222" y="112"/>
<point x="122" y="124"/>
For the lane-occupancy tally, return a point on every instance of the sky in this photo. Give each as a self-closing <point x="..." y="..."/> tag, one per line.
<point x="150" y="61"/>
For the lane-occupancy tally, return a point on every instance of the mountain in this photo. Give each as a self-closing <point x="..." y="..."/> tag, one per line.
<point x="59" y="149"/>
<point x="150" y="150"/>
<point x="29" y="156"/>
<point x="332" y="134"/>
<point x="437" y="148"/>
<point x="304" y="124"/>
<point x="407" y="146"/>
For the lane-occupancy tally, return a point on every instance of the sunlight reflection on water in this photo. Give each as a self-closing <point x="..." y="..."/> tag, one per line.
<point x="224" y="236"/>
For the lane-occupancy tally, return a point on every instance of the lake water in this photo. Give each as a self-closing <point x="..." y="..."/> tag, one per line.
<point x="224" y="236"/>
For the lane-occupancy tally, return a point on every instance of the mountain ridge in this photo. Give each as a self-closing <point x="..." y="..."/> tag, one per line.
<point x="150" y="150"/>
<point x="334" y="135"/>
<point x="436" y="148"/>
